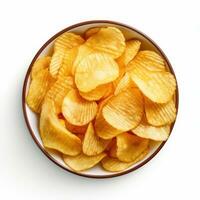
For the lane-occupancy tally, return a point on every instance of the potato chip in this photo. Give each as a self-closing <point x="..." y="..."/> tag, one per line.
<point x="115" y="165"/>
<point x="67" y="64"/>
<point x="40" y="64"/>
<point x="75" y="129"/>
<point x="109" y="40"/>
<point x="149" y="60"/>
<point x="92" y="144"/>
<point x="37" y="90"/>
<point x="82" y="161"/>
<point x="148" y="131"/>
<point x="54" y="135"/>
<point x="59" y="90"/>
<point x="160" y="114"/>
<point x="91" y="32"/>
<point x="77" y="110"/>
<point x="124" y="84"/>
<point x="67" y="41"/>
<point x="62" y="122"/>
<point x="132" y="48"/>
<point x="97" y="93"/>
<point x="82" y="52"/>
<point x="129" y="147"/>
<point x="113" y="151"/>
<point x="125" y="110"/>
<point x="109" y="92"/>
<point x="157" y="86"/>
<point x="94" y="70"/>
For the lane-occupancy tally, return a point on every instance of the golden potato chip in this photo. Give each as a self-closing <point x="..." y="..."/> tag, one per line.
<point x="109" y="92"/>
<point x="160" y="114"/>
<point x="109" y="40"/>
<point x="91" y="31"/>
<point x="94" y="70"/>
<point x="132" y="48"/>
<point x="54" y="135"/>
<point x="115" y="165"/>
<point x="77" y="110"/>
<point x="92" y="144"/>
<point x="125" y="110"/>
<point x="145" y="130"/>
<point x="157" y="86"/>
<point x="67" y="41"/>
<point x="67" y="64"/>
<point x="124" y="84"/>
<point x="149" y="60"/>
<point x="97" y="93"/>
<point x="37" y="90"/>
<point x="82" y="52"/>
<point x="75" y="129"/>
<point x="129" y="147"/>
<point x="59" y="90"/>
<point x="40" y="64"/>
<point x="82" y="161"/>
<point x="62" y="122"/>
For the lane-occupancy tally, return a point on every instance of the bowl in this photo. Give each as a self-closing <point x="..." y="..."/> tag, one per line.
<point x="31" y="118"/>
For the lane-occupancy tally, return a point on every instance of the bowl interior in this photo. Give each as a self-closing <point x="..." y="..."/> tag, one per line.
<point x="32" y="118"/>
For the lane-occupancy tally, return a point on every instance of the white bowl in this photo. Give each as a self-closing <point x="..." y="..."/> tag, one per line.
<point x="32" y="119"/>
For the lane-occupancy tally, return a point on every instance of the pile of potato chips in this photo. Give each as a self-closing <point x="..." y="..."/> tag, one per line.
<point x="101" y="99"/>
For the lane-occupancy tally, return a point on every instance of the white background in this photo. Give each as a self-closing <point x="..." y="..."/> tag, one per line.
<point x="25" y="173"/>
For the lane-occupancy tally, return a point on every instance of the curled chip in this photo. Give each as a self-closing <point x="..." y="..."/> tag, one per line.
<point x="109" y="40"/>
<point x="130" y="147"/>
<point x="157" y="86"/>
<point x="77" y="110"/>
<point x="115" y="165"/>
<point x="37" y="91"/>
<point x="124" y="84"/>
<point x="97" y="93"/>
<point x="40" y="64"/>
<point x="92" y="144"/>
<point x="94" y="70"/>
<point x="82" y="52"/>
<point x="82" y="161"/>
<point x="91" y="32"/>
<point x="67" y="41"/>
<point x="67" y="63"/>
<point x="58" y="91"/>
<point x="125" y="110"/>
<point x="75" y="129"/>
<point x="145" y="130"/>
<point x="149" y="60"/>
<point x="132" y="48"/>
<point x="160" y="114"/>
<point x="53" y="133"/>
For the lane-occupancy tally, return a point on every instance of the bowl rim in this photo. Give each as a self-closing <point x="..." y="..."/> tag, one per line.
<point x="26" y="81"/>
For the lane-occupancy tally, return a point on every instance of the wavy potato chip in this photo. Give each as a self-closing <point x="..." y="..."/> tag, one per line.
<point x="37" y="90"/>
<point x="124" y="111"/>
<point x="59" y="90"/>
<point x="94" y="70"/>
<point x="124" y="84"/>
<point x="97" y="93"/>
<point x="82" y="161"/>
<point x="91" y="31"/>
<point x="160" y="114"/>
<point x="115" y="165"/>
<point x="67" y="41"/>
<point x="75" y="129"/>
<point x="157" y="86"/>
<point x="130" y="147"/>
<point x="53" y="133"/>
<point x="109" y="40"/>
<point x="148" y="131"/>
<point x="77" y="110"/>
<point x="92" y="144"/>
<point x="149" y="60"/>
<point x="40" y="64"/>
<point x="132" y="48"/>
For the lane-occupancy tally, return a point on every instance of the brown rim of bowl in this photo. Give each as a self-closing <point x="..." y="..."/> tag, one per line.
<point x="24" y="95"/>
